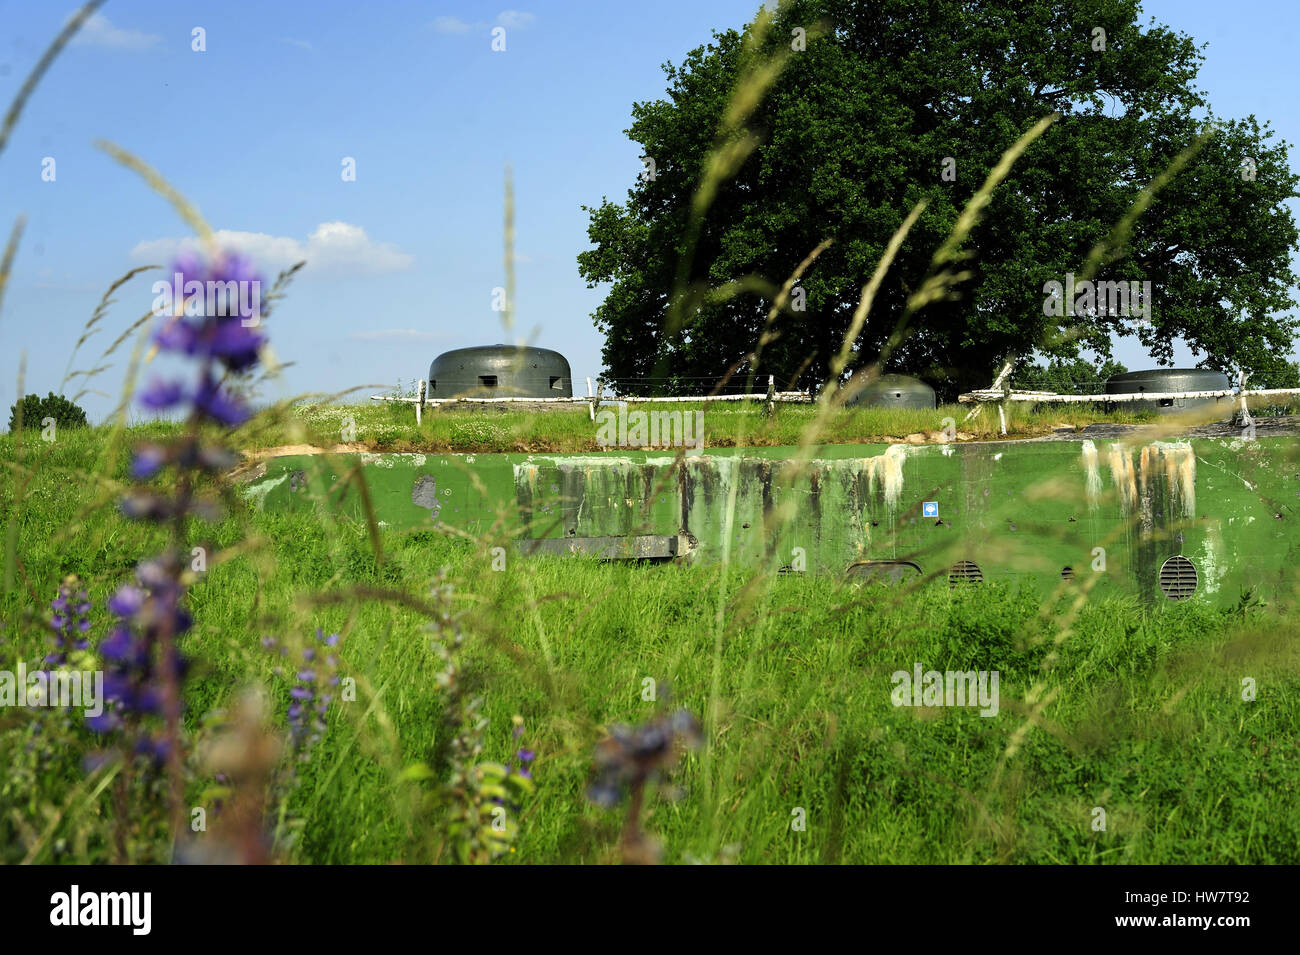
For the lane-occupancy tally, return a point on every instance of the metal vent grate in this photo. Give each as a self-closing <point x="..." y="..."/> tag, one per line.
<point x="1067" y="573"/>
<point x="1178" y="578"/>
<point x="965" y="571"/>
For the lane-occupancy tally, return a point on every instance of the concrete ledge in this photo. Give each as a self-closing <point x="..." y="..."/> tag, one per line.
<point x="643" y="547"/>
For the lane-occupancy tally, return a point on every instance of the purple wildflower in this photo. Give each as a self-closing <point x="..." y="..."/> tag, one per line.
<point x="69" y="619"/>
<point x="218" y="342"/>
<point x="126" y="602"/>
<point x="177" y="335"/>
<point x="631" y="756"/>
<point x="144" y="506"/>
<point x="135" y="672"/>
<point x="144" y="666"/>
<point x="235" y="344"/>
<point x="230" y="339"/>
<point x="148" y="461"/>
<point x="215" y="403"/>
<point x="161" y="395"/>
<point x="309" y="696"/>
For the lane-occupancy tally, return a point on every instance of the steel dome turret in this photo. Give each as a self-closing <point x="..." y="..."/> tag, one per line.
<point x="896" y="391"/>
<point x="500" y="371"/>
<point x="1158" y="380"/>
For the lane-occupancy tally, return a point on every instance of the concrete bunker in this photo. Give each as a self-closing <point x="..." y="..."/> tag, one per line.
<point x="1159" y="380"/>
<point x="500" y="371"/>
<point x="890" y="572"/>
<point x="895" y="391"/>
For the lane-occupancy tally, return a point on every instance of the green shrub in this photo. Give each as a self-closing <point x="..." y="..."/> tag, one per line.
<point x="36" y="409"/>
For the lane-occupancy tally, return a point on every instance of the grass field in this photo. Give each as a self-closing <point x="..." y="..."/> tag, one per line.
<point x="1136" y="712"/>
<point x="474" y="704"/>
<point x="392" y="427"/>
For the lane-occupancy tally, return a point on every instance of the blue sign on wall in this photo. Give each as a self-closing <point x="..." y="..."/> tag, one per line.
<point x="930" y="509"/>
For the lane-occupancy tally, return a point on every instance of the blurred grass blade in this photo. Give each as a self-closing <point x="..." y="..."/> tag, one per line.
<point x="43" y="64"/>
<point x="184" y="208"/>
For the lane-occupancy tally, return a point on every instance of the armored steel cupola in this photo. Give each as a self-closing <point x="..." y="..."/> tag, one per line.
<point x="895" y="391"/>
<point x="500" y="371"/>
<point x="1164" y="380"/>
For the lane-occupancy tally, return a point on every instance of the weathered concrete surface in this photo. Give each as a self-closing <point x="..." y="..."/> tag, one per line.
<point x="1117" y="506"/>
<point x="638" y="547"/>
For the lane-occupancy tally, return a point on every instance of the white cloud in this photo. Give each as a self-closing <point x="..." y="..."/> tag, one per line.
<point x="451" y="25"/>
<point x="515" y="19"/>
<point x="338" y="248"/>
<point x="302" y="44"/>
<point x="98" y="30"/>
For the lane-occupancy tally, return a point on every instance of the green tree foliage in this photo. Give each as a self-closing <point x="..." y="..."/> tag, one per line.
<point x="1280" y="374"/>
<point x="864" y="122"/>
<point x="36" y="409"/>
<point x="1077" y="377"/>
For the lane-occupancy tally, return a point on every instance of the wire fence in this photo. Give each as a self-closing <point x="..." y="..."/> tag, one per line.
<point x="596" y="396"/>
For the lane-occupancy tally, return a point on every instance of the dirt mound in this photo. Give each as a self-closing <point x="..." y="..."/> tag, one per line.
<point x="253" y="466"/>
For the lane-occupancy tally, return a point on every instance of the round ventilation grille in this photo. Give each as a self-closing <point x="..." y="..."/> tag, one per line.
<point x="965" y="571"/>
<point x="1178" y="578"/>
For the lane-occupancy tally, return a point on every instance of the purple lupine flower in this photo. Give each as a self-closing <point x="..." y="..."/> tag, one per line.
<point x="213" y="459"/>
<point x="177" y="335"/>
<point x="155" y="748"/>
<point x="235" y="344"/>
<point x="126" y="602"/>
<point x="604" y="794"/>
<point x="218" y="342"/>
<point x="144" y="666"/>
<point x="215" y="403"/>
<point x="148" y="461"/>
<point x="309" y="698"/>
<point x="134" y="671"/>
<point x="143" y="506"/>
<point x="161" y="395"/>
<point x="70" y="608"/>
<point x="630" y="756"/>
<point x="230" y="339"/>
<point x="121" y="647"/>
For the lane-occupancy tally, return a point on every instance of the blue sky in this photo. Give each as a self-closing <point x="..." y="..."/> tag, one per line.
<point x="254" y="130"/>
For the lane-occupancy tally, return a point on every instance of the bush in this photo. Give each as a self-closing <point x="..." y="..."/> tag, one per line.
<point x="36" y="409"/>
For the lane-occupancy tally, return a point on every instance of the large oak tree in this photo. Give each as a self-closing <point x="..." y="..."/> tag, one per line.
<point x="860" y="125"/>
